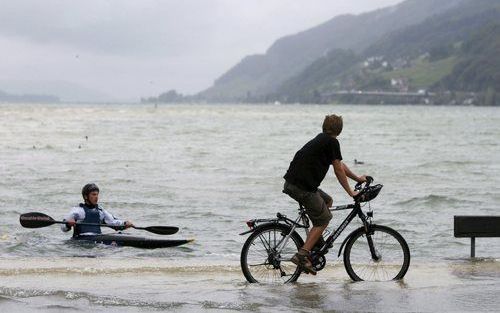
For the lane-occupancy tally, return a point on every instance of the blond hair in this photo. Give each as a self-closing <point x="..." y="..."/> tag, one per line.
<point x="332" y="125"/>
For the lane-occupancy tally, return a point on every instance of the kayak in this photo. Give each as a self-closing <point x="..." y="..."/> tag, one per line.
<point x="123" y="240"/>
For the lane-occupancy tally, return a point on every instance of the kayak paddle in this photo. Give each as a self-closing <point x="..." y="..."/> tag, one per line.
<point x="38" y="220"/>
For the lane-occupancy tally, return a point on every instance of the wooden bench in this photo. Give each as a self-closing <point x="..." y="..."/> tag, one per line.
<point x="476" y="226"/>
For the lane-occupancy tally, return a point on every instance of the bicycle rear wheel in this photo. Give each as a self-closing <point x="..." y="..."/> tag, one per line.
<point x="392" y="255"/>
<point x="262" y="263"/>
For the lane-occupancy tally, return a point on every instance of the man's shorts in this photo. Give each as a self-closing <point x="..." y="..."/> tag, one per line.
<point x="313" y="202"/>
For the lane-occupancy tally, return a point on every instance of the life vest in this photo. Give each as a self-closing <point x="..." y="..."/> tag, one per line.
<point x="92" y="215"/>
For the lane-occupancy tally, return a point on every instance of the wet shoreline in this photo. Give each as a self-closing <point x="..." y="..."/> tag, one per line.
<point x="144" y="285"/>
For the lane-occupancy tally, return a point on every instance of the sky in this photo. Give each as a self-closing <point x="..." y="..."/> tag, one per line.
<point x="122" y="50"/>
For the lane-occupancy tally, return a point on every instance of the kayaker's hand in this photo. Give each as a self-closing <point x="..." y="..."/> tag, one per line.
<point x="70" y="223"/>
<point x="128" y="224"/>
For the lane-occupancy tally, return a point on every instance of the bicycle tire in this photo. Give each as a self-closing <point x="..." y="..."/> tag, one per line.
<point x="279" y="228"/>
<point x="373" y="230"/>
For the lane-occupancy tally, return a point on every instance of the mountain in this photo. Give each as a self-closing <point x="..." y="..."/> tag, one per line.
<point x="455" y="51"/>
<point x="313" y="80"/>
<point x="478" y="67"/>
<point x="27" y="98"/>
<point x="261" y="74"/>
<point x="65" y="90"/>
<point x="439" y="31"/>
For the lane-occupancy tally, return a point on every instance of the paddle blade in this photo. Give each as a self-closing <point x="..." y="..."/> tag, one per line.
<point x="35" y="220"/>
<point x="162" y="230"/>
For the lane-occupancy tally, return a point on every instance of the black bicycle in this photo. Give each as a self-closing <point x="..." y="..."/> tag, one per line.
<point x="371" y="252"/>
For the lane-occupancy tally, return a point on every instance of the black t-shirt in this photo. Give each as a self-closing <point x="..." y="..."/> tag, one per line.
<point x="311" y="163"/>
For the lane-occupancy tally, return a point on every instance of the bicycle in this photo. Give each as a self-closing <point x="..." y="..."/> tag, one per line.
<point x="371" y="252"/>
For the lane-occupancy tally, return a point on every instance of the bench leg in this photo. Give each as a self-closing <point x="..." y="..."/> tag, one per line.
<point x="473" y="247"/>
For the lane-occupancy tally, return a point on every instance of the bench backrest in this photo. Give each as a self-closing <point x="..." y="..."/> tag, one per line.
<point x="477" y="226"/>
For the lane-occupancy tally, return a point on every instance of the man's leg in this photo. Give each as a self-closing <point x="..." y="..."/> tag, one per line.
<point x="323" y="219"/>
<point x="302" y="257"/>
<point x="314" y="235"/>
<point x="316" y="205"/>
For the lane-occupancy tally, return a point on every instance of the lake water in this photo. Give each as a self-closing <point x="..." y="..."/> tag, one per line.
<point x="208" y="169"/>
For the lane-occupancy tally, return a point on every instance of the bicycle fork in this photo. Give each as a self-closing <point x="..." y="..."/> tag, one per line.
<point x="371" y="245"/>
<point x="375" y="255"/>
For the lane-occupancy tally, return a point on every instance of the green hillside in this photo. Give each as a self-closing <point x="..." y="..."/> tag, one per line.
<point x="424" y="74"/>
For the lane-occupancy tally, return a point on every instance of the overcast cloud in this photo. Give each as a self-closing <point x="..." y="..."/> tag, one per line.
<point x="127" y="49"/>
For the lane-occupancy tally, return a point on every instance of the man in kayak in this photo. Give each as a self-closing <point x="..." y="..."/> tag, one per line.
<point x="90" y="212"/>
<point x="306" y="172"/>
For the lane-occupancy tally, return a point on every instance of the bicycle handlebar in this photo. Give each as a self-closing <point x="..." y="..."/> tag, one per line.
<point x="359" y="186"/>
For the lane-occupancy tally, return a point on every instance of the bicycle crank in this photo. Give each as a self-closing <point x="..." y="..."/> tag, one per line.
<point x="319" y="263"/>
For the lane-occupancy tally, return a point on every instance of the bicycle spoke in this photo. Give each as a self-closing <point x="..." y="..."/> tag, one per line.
<point x="262" y="240"/>
<point x="265" y="264"/>
<point x="260" y="264"/>
<point x="259" y="252"/>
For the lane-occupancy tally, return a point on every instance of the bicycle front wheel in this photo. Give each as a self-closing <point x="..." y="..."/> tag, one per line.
<point x="380" y="255"/>
<point x="266" y="255"/>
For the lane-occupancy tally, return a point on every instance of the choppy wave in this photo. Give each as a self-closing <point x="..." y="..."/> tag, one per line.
<point x="135" y="270"/>
<point x="92" y="266"/>
<point x="447" y="163"/>
<point x="433" y="200"/>
<point x="110" y="301"/>
<point x="94" y="299"/>
<point x="230" y="306"/>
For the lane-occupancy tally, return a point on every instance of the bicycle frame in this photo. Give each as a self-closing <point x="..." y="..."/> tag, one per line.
<point x="365" y="219"/>
<point x="294" y="224"/>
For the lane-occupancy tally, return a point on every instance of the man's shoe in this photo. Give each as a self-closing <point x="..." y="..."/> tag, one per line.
<point x="302" y="260"/>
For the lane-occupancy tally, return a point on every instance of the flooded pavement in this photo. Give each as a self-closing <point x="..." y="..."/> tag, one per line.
<point x="134" y="285"/>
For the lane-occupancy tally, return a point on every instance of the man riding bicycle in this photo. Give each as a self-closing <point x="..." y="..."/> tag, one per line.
<point x="306" y="172"/>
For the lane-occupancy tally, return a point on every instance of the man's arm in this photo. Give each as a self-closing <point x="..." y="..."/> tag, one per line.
<point x="342" y="178"/>
<point x="351" y="175"/>
<point x="75" y="215"/>
<point x="109" y="219"/>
